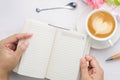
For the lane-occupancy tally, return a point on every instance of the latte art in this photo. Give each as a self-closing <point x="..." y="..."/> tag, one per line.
<point x="101" y="24"/>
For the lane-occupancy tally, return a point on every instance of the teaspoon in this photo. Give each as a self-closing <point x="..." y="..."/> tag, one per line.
<point x="69" y="6"/>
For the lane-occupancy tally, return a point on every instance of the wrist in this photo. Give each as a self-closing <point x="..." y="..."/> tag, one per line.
<point x="4" y="75"/>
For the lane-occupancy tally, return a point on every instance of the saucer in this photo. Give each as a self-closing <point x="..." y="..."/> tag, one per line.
<point x="95" y="44"/>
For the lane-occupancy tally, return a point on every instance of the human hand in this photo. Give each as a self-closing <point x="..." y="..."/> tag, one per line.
<point x="91" y="71"/>
<point x="10" y="53"/>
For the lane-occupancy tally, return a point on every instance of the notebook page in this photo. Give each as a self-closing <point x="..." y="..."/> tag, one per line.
<point x="35" y="60"/>
<point x="65" y="60"/>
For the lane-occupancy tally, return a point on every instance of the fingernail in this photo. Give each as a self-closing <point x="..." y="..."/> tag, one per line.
<point x="26" y="43"/>
<point x="83" y="60"/>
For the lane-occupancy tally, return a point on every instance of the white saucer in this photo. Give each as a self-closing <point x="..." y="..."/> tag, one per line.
<point x="95" y="44"/>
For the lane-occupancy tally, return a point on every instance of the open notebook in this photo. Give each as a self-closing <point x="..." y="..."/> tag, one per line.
<point x="53" y="53"/>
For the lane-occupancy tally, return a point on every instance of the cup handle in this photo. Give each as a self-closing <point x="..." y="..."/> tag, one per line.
<point x="110" y="42"/>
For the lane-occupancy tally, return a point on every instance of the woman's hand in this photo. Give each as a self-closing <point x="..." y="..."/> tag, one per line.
<point x="90" y="69"/>
<point x="10" y="53"/>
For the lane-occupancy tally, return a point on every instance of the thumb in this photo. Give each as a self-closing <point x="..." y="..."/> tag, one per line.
<point x="83" y="69"/>
<point x="21" y="48"/>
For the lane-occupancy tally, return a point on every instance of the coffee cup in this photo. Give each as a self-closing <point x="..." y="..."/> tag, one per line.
<point x="101" y="25"/>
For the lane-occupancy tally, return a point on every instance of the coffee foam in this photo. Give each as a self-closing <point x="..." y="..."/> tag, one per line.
<point x="100" y="26"/>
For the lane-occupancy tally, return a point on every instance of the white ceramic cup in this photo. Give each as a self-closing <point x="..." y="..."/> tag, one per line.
<point x="108" y="38"/>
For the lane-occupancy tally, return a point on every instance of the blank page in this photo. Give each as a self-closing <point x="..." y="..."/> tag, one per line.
<point x="35" y="60"/>
<point x="65" y="60"/>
